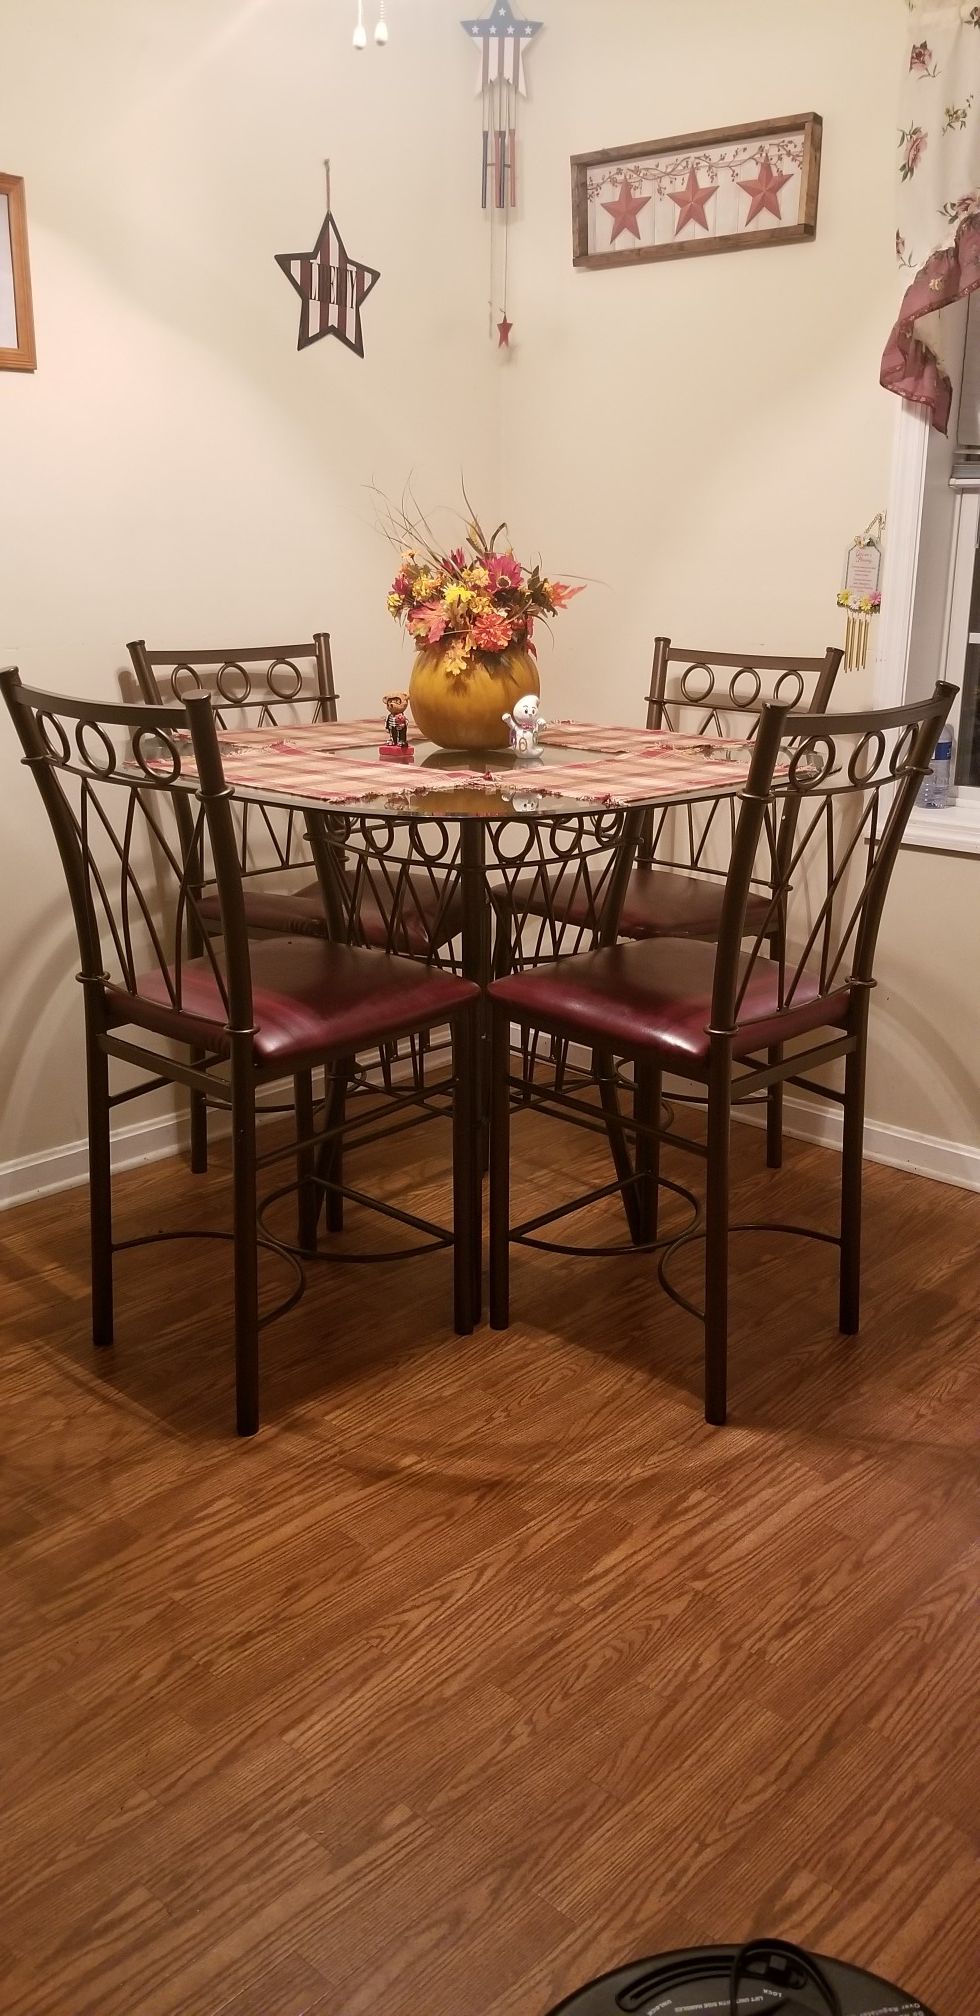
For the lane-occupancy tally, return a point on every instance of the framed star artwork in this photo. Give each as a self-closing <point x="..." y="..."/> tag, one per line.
<point x="17" y="351"/>
<point x="727" y="191"/>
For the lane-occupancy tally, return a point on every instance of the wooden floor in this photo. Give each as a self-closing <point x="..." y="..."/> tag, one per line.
<point x="486" y="1665"/>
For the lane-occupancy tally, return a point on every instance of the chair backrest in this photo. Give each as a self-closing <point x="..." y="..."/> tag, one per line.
<point x="720" y="694"/>
<point x="411" y="875"/>
<point x="723" y="692"/>
<point x="107" y="776"/>
<point x="258" y="686"/>
<point x="828" y="829"/>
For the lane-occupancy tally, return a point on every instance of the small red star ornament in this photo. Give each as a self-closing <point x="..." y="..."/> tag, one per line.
<point x="764" y="190"/>
<point x="692" y="202"/>
<point x="503" y="333"/>
<point x="625" y="211"/>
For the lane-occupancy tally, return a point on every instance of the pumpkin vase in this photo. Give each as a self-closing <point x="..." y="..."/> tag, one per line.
<point x="467" y="713"/>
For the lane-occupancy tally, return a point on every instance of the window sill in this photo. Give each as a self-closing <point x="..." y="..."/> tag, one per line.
<point x="955" y="830"/>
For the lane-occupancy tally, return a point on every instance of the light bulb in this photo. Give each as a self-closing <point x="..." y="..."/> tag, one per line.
<point x="381" y="33"/>
<point x="360" y="36"/>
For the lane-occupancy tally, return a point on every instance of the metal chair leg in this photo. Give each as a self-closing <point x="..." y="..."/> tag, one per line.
<point x="852" y="1190"/>
<point x="330" y="1157"/>
<point x="716" y="1237"/>
<point x="199" y="1126"/>
<point x="774" y="1115"/>
<point x="246" y="1239"/>
<point x="308" y="1196"/>
<point x="605" y="1069"/>
<point x="466" y="1178"/>
<point x="647" y="1101"/>
<point x="100" y="1191"/>
<point x="499" y="1170"/>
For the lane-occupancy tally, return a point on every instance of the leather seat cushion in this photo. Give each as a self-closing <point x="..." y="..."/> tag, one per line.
<point x="659" y="903"/>
<point x="309" y="999"/>
<point x="656" y="997"/>
<point x="424" y="922"/>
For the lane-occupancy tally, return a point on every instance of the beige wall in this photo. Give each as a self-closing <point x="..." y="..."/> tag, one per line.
<point x="176" y="470"/>
<point x="702" y="438"/>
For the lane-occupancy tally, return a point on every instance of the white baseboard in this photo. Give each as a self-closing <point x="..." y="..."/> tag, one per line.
<point x="956" y="1162"/>
<point x="66" y="1167"/>
<point x="953" y="1162"/>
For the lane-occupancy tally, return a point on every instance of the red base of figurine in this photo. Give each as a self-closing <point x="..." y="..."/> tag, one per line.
<point x="388" y="753"/>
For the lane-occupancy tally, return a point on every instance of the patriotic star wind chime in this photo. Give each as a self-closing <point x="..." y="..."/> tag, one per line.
<point x="503" y="39"/>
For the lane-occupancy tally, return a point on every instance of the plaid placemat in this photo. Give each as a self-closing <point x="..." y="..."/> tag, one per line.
<point x="325" y="735"/>
<point x="626" y="741"/>
<point x="287" y="768"/>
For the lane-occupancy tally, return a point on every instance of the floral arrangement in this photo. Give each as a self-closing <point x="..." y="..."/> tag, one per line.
<point x="476" y="600"/>
<point x="859" y="605"/>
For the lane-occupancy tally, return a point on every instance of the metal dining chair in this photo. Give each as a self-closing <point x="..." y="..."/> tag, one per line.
<point x="280" y="685"/>
<point x="731" y="1015"/>
<point x="677" y="886"/>
<point x="221" y="1015"/>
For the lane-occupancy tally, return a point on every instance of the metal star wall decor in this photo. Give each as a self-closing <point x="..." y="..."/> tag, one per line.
<point x="331" y="287"/>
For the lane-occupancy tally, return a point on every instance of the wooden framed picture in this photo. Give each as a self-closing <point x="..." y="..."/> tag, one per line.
<point x="17" y="351"/>
<point x="725" y="191"/>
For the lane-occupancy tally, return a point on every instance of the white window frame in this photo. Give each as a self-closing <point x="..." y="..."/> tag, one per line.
<point x="955" y="829"/>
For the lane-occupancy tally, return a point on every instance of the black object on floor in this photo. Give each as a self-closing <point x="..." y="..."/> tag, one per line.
<point x="767" y="1977"/>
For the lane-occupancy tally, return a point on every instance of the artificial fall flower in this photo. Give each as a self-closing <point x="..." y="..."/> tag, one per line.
<point x="395" y="604"/>
<point x="504" y="570"/>
<point x="458" y="598"/>
<point x="456" y="661"/>
<point x="432" y="621"/>
<point x="492" y="632"/>
<point x="477" y="576"/>
<point x="424" y="587"/>
<point x="558" y="593"/>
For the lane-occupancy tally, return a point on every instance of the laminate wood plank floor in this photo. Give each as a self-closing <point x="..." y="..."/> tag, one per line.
<point x="486" y="1665"/>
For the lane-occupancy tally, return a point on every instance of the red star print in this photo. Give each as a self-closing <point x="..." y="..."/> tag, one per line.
<point x="503" y="333"/>
<point x="691" y="202"/>
<point x="764" y="190"/>
<point x="625" y="211"/>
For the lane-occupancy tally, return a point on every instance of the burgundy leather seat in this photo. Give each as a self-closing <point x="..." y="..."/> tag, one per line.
<point x="424" y="923"/>
<point x="660" y="903"/>
<point x="657" y="997"/>
<point x="309" y="998"/>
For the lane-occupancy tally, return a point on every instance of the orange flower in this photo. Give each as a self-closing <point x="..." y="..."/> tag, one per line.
<point x="491" y="632"/>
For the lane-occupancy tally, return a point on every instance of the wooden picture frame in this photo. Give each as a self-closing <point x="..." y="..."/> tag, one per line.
<point x="694" y="193"/>
<point x="17" y="351"/>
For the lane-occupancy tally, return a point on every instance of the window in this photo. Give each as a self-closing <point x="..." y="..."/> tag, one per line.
<point x="930" y="624"/>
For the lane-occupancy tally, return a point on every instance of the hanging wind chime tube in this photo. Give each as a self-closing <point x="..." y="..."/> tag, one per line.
<point x="502" y="38"/>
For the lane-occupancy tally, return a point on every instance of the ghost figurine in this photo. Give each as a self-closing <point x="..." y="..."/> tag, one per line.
<point x="523" y="725"/>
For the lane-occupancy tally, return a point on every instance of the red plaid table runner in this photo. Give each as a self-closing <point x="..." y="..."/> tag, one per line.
<point x="289" y="768"/>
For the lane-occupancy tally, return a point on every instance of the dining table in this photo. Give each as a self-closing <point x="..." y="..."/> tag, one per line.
<point x="469" y="842"/>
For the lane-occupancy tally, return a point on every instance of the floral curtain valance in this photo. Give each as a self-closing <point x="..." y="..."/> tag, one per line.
<point x="938" y="237"/>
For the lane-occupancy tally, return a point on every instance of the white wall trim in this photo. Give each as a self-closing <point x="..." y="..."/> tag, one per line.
<point x="66" y="1168"/>
<point x="955" y="1162"/>
<point x="904" y="531"/>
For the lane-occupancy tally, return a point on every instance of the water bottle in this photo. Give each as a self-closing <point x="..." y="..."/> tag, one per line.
<point x="934" y="790"/>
